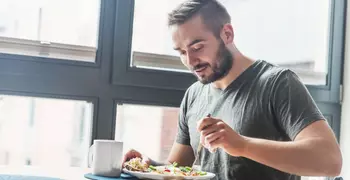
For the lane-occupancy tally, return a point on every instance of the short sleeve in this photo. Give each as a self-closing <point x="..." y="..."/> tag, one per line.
<point x="293" y="105"/>
<point x="183" y="136"/>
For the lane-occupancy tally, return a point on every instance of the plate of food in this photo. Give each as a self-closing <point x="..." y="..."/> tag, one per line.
<point x="137" y="168"/>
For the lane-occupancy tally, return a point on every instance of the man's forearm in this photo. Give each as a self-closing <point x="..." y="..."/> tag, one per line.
<point x="305" y="157"/>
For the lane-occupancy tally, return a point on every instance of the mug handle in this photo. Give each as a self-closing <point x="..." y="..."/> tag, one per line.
<point x="91" y="155"/>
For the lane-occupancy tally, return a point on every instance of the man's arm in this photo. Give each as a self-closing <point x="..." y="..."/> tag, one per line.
<point x="181" y="151"/>
<point x="181" y="154"/>
<point x="314" y="152"/>
<point x="313" y="149"/>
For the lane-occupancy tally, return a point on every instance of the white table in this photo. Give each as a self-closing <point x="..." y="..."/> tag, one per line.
<point x="59" y="172"/>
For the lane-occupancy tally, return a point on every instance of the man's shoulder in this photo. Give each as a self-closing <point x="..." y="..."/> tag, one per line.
<point x="275" y="79"/>
<point x="270" y="71"/>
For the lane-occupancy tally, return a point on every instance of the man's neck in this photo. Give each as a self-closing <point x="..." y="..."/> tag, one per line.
<point x="239" y="65"/>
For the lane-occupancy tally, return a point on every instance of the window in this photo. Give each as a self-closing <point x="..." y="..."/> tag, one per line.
<point x="63" y="90"/>
<point x="311" y="35"/>
<point x="160" y="53"/>
<point x="55" y="29"/>
<point x="293" y="34"/>
<point x="148" y="129"/>
<point x="43" y="132"/>
<point x="126" y="72"/>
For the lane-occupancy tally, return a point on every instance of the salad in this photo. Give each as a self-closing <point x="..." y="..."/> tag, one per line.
<point x="136" y="164"/>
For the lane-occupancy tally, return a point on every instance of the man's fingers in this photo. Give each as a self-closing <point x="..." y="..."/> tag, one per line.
<point x="208" y="131"/>
<point x="206" y="122"/>
<point x="210" y="126"/>
<point x="126" y="157"/>
<point x="202" y="140"/>
<point x="131" y="154"/>
<point x="147" y="161"/>
<point x="213" y="128"/>
<point x="212" y="137"/>
<point x="216" y="143"/>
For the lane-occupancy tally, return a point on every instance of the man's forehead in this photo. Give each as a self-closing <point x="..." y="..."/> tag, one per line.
<point x="184" y="34"/>
<point x="186" y="41"/>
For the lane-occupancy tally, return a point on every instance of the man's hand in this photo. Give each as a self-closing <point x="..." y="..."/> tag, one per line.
<point x="217" y="134"/>
<point x="134" y="154"/>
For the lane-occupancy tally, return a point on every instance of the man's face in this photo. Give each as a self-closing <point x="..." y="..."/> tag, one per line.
<point x="200" y="51"/>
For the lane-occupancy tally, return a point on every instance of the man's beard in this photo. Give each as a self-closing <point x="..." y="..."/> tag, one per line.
<point x="220" y="67"/>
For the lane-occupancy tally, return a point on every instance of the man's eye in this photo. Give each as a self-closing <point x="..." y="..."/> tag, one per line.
<point x="182" y="52"/>
<point x="195" y="49"/>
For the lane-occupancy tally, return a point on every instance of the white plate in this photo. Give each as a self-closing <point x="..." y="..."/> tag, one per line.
<point x="142" y="175"/>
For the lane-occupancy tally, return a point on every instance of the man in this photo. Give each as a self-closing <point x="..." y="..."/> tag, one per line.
<point x="264" y="125"/>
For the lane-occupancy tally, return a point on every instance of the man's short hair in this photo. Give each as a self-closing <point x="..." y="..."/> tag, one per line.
<point x="212" y="12"/>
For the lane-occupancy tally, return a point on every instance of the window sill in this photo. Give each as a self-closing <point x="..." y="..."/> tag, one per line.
<point x="26" y="47"/>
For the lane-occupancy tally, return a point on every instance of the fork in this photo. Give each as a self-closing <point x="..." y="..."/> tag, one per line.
<point x="199" y="148"/>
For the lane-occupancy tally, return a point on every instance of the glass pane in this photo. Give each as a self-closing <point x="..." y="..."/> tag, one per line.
<point x="66" y="29"/>
<point x="159" y="54"/>
<point x="43" y="133"/>
<point x="148" y="129"/>
<point x="292" y="34"/>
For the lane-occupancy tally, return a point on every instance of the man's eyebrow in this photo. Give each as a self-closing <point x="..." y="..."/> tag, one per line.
<point x="195" y="42"/>
<point x="189" y="45"/>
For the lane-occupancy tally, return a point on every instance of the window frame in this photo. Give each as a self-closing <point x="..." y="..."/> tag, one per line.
<point x="126" y="75"/>
<point x="38" y="44"/>
<point x="65" y="79"/>
<point x="123" y="73"/>
<point x="331" y="91"/>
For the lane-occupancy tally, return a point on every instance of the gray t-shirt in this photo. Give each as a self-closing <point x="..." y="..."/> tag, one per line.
<point x="265" y="101"/>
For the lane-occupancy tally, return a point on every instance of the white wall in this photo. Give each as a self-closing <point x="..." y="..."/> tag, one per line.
<point x="345" y="119"/>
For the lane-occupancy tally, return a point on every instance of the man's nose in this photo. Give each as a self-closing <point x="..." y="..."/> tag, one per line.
<point x="191" y="59"/>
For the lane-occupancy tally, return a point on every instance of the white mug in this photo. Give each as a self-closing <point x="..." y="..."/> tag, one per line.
<point x="106" y="158"/>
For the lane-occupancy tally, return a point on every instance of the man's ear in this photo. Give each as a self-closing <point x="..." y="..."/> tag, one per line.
<point x="227" y="34"/>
